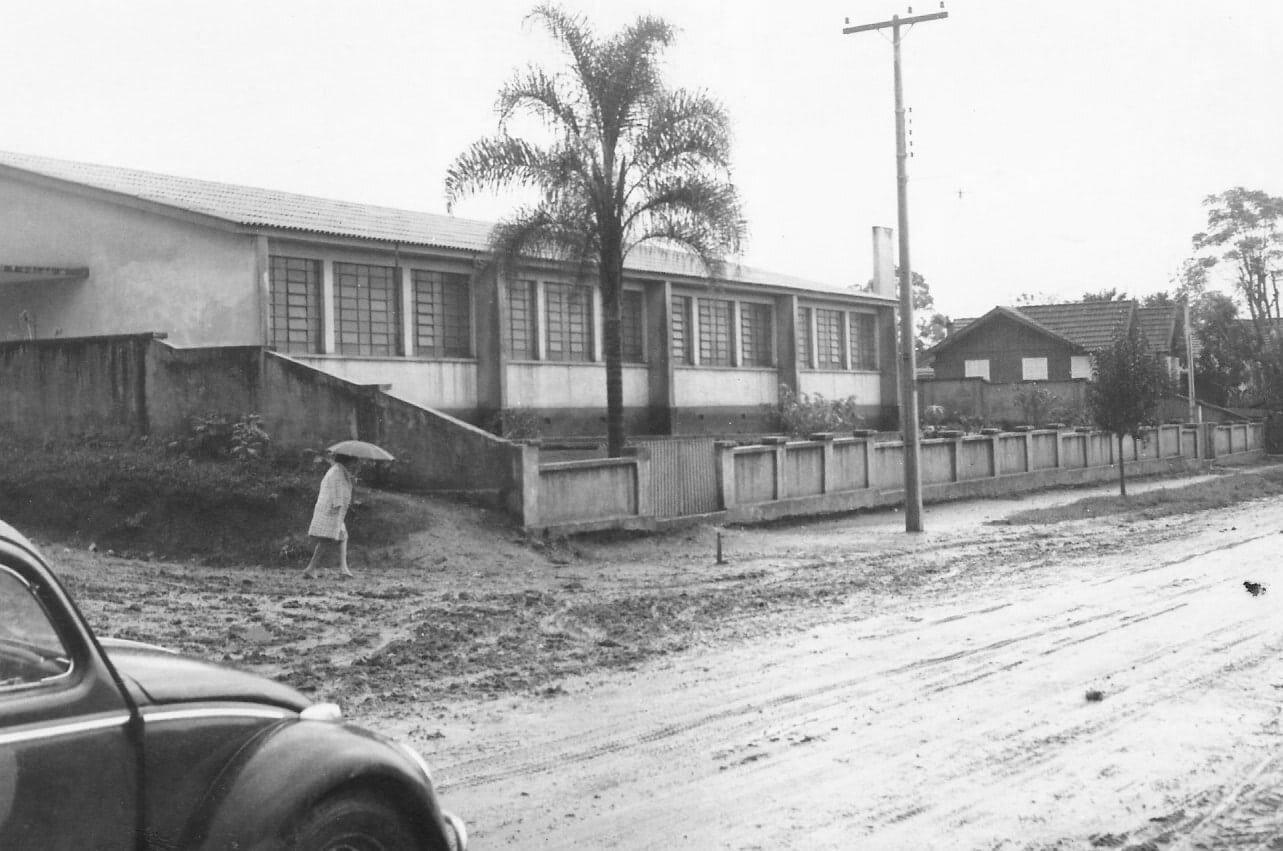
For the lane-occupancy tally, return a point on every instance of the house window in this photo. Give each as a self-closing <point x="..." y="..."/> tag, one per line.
<point x="295" y="296"/>
<point x="714" y="332"/>
<point x="519" y="331"/>
<point x="683" y="351"/>
<point x="441" y="314"/>
<point x="976" y="369"/>
<point x="755" y="334"/>
<point x="1033" y="369"/>
<point x="632" y="326"/>
<point x="1080" y="366"/>
<point x="568" y="312"/>
<point x="366" y="317"/>
<point x="828" y="339"/>
<point x="864" y="341"/>
<point x="804" y="354"/>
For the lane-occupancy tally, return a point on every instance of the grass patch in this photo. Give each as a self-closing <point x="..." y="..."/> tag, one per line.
<point x="1220" y="492"/>
<point x="144" y="499"/>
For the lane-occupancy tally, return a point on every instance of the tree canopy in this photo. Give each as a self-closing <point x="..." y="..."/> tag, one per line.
<point x="624" y="160"/>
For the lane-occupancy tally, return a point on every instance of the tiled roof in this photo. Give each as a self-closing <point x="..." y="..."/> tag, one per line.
<point x="1159" y="324"/>
<point x="269" y="208"/>
<point x="1090" y="324"/>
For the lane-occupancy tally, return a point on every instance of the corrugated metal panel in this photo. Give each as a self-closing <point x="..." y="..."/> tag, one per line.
<point x="683" y="476"/>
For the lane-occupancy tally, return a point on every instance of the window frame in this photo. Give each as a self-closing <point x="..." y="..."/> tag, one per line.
<point x="757" y="334"/>
<point x="361" y="276"/>
<point x="632" y="326"/>
<point x="970" y="371"/>
<point x="449" y="297"/>
<point x="1026" y="363"/>
<point x="310" y="291"/>
<point x="569" y="322"/>
<point x="830" y="339"/>
<point x="715" y="321"/>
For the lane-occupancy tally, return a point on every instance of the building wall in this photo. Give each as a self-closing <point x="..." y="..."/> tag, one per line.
<point x="1004" y="343"/>
<point x="147" y="272"/>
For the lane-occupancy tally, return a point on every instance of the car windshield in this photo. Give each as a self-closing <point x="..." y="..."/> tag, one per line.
<point x="30" y="649"/>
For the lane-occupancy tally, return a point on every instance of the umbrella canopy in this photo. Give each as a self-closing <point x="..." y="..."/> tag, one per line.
<point x="361" y="449"/>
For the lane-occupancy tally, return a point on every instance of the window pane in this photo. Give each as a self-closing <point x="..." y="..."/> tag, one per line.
<point x="864" y="343"/>
<point x="714" y="332"/>
<point x="367" y="315"/>
<point x="682" y="349"/>
<point x="442" y="314"/>
<point x="804" y="354"/>
<point x="755" y="334"/>
<point x="294" y="321"/>
<point x="631" y="326"/>
<point x="976" y="369"/>
<point x="568" y="309"/>
<point x="1033" y="369"/>
<point x="519" y="332"/>
<point x="30" y="650"/>
<point x="828" y="339"/>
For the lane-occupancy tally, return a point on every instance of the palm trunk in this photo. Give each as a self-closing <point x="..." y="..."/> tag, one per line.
<point x="612" y="274"/>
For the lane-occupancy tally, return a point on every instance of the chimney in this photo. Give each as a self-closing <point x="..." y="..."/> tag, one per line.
<point x="884" y="281"/>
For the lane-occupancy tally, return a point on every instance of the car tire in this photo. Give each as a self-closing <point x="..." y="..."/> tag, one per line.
<point x="352" y="821"/>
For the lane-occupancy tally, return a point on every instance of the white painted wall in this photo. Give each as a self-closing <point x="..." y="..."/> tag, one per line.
<point x="864" y="386"/>
<point x="694" y="387"/>
<point x="448" y="384"/>
<point x="570" y="385"/>
<point x="147" y="271"/>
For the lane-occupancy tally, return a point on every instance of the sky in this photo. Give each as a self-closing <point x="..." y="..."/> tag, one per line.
<point x="1058" y="148"/>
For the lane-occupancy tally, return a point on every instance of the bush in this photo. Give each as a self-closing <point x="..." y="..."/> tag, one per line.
<point x="803" y="414"/>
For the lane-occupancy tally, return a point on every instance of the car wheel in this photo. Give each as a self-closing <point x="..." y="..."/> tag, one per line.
<point x="355" y="821"/>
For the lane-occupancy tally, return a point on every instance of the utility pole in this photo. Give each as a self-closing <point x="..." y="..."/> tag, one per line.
<point x="908" y="357"/>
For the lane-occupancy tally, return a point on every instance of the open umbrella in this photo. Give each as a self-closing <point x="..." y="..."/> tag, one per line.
<point x="361" y="449"/>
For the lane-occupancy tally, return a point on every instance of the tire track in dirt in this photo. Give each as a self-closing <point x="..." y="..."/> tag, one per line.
<point x="842" y="692"/>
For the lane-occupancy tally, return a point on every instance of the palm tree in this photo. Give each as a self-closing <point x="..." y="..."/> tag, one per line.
<point x="626" y="160"/>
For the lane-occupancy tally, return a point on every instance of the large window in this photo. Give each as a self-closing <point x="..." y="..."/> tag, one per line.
<point x="442" y="326"/>
<point x="1080" y="366"/>
<point x="295" y="297"/>
<point x="519" y="332"/>
<point x="864" y="341"/>
<point x="1033" y="369"/>
<point x="568" y="310"/>
<point x="805" y="357"/>
<point x="683" y="350"/>
<point x="366" y="318"/>
<point x="828" y="339"/>
<point x="755" y="334"/>
<point x="714" y="332"/>
<point x="978" y="368"/>
<point x="632" y="326"/>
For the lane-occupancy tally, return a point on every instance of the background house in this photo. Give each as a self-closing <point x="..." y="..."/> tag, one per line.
<point x="988" y="367"/>
<point x="403" y="300"/>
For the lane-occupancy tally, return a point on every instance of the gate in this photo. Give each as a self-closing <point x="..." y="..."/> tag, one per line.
<point x="683" y="478"/>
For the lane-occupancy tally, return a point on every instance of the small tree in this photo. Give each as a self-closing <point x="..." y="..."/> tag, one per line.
<point x="1123" y="397"/>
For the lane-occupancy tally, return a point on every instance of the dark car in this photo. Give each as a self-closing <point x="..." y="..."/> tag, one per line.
<point x="108" y="744"/>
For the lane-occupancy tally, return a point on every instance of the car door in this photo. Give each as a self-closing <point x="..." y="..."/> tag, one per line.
<point x="68" y="767"/>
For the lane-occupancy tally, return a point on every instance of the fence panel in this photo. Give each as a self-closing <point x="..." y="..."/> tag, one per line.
<point x="683" y="476"/>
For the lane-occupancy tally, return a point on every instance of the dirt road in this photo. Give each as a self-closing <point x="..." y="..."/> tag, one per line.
<point x="833" y="685"/>
<point x="954" y="717"/>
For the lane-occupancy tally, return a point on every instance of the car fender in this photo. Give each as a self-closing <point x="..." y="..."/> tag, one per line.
<point x="286" y="770"/>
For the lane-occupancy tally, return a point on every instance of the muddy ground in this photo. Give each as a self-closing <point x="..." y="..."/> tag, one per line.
<point x="834" y="684"/>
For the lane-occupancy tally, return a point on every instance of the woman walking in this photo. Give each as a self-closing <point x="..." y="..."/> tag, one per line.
<point x="328" y="528"/>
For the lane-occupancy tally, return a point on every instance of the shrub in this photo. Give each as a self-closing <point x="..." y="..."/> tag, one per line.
<point x="802" y="414"/>
<point x="213" y="435"/>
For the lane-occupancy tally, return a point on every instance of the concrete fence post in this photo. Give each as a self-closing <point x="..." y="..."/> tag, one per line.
<point x="829" y="462"/>
<point x="869" y="456"/>
<point x="995" y="455"/>
<point x="525" y="475"/>
<point x="642" y="495"/>
<point x="724" y="467"/>
<point x="781" y="448"/>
